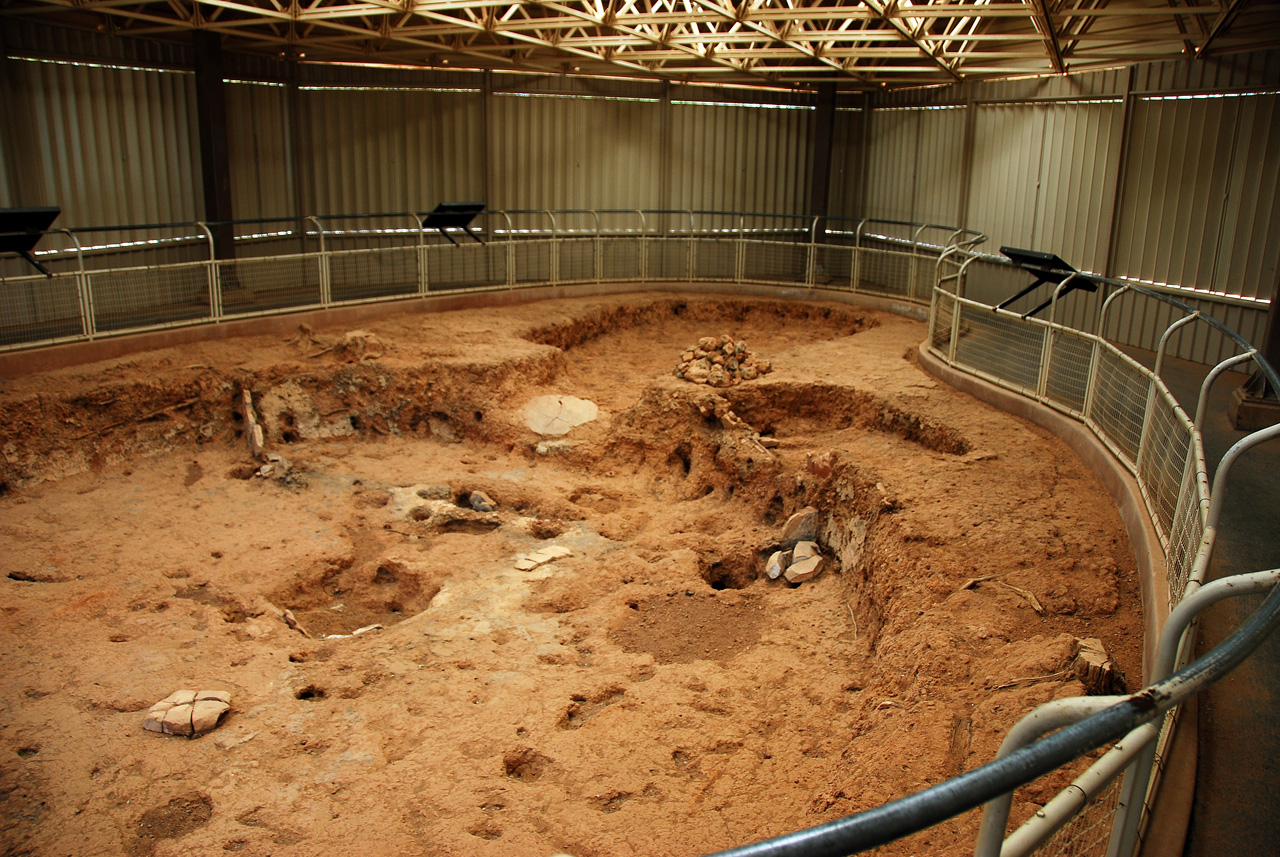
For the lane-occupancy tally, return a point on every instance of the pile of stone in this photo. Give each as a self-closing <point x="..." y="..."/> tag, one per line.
<point x="799" y="557"/>
<point x="720" y="361"/>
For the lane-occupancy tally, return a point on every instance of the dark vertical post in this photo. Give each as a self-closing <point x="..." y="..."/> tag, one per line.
<point x="299" y="154"/>
<point x="1255" y="405"/>
<point x="215" y="162"/>
<point x="824" y="122"/>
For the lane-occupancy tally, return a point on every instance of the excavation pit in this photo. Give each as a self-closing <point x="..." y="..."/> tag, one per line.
<point x="644" y="688"/>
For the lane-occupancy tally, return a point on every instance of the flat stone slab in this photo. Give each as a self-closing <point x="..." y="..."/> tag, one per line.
<point x="188" y="712"/>
<point x="556" y="415"/>
<point x="531" y="561"/>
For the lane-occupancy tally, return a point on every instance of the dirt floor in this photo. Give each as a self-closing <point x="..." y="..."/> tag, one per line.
<point x="651" y="693"/>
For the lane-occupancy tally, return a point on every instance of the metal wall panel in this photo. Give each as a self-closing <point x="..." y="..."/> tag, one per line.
<point x="1077" y="180"/>
<point x="940" y="166"/>
<point x="1174" y="190"/>
<point x="1248" y="257"/>
<point x="574" y="152"/>
<point x="737" y="158"/>
<point x="844" y="195"/>
<point x="259" y="144"/>
<point x="1007" y="145"/>
<point x="891" y="163"/>
<point x="109" y="145"/>
<point x="384" y="150"/>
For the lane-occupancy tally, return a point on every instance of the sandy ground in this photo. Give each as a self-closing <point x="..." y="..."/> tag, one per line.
<point x="651" y="693"/>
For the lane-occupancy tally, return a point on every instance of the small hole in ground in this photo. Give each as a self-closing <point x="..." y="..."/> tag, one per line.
<point x="311" y="692"/>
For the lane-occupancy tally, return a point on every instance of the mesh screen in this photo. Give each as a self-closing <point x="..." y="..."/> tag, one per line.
<point x="940" y="323"/>
<point x="1163" y="460"/>
<point x="669" y="259"/>
<point x="1119" y="402"/>
<point x="620" y="259"/>
<point x="373" y="274"/>
<point x="577" y="260"/>
<point x="1185" y="536"/>
<point x="884" y="272"/>
<point x="532" y="261"/>
<point x="1004" y="347"/>
<point x="37" y="308"/>
<point x="775" y="262"/>
<point x="147" y="296"/>
<point x="834" y="267"/>
<point x="1089" y="832"/>
<point x="467" y="265"/>
<point x="253" y="285"/>
<point x="1070" y="356"/>
<point x="715" y="259"/>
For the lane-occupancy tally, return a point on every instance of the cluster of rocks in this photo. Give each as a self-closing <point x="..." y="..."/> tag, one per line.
<point x="720" y="361"/>
<point x="799" y="557"/>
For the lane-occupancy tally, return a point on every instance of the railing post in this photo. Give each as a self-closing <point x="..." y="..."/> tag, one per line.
<point x="1046" y="349"/>
<point x="326" y="294"/>
<point x="811" y="258"/>
<point x="740" y="254"/>
<point x="644" y="246"/>
<point x="84" y="294"/>
<point x="510" y="250"/>
<point x="915" y="255"/>
<point x="597" y="250"/>
<point x="855" y="275"/>
<point x="689" y="259"/>
<point x="1149" y="412"/>
<point x="1095" y="361"/>
<point x="215" y="293"/>
<point x="421" y="253"/>
<point x="554" y="264"/>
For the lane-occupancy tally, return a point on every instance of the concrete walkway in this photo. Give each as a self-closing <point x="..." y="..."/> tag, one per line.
<point x="1237" y="795"/>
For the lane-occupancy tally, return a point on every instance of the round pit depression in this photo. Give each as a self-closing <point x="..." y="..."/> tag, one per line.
<point x="596" y="663"/>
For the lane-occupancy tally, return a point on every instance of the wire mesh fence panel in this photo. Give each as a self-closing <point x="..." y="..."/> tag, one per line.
<point x="1069" y="357"/>
<point x="257" y="285"/>
<point x="620" y="259"/>
<point x="1163" y="460"/>
<point x="775" y="262"/>
<point x="715" y="259"/>
<point x="1001" y="346"/>
<point x="468" y="265"/>
<point x="577" y="260"/>
<point x="148" y="296"/>
<point x="922" y="278"/>
<point x="669" y="259"/>
<point x="363" y="274"/>
<point x="532" y="261"/>
<point x="940" y="321"/>
<point x="884" y="272"/>
<point x="1089" y="832"/>
<point x="1185" y="535"/>
<point x="833" y="268"/>
<point x="1119" y="402"/>
<point x="33" y="309"/>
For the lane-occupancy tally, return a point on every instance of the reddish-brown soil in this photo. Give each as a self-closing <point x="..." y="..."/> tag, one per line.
<point x="651" y="694"/>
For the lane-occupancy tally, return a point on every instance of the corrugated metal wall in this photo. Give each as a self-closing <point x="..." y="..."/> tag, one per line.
<point x="109" y="145"/>
<point x="739" y="158"/>
<point x="259" y="147"/>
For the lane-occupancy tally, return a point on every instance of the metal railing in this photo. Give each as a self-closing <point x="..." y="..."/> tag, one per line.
<point x="115" y="280"/>
<point x="131" y="279"/>
<point x="1128" y="407"/>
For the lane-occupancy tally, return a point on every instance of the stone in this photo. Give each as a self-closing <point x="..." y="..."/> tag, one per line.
<point x="547" y="447"/>
<point x="481" y="502"/>
<point x="557" y="415"/>
<point x="820" y="463"/>
<point x="699" y="371"/>
<point x="805" y="569"/>
<point x="716" y="377"/>
<point x="542" y="556"/>
<point x="804" y="550"/>
<point x="686" y="357"/>
<point x="1095" y="669"/>
<point x="748" y="372"/>
<point x="777" y="563"/>
<point x="188" y="712"/>
<point x="435" y="492"/>
<point x="205" y="714"/>
<point x="708" y="343"/>
<point x="802" y="526"/>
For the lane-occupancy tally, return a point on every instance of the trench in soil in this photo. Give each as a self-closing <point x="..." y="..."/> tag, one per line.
<point x="610" y="698"/>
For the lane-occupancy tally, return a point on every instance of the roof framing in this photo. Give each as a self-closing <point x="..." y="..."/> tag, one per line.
<point x="858" y="44"/>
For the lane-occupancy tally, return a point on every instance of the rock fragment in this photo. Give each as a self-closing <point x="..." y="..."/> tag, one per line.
<point x="777" y="563"/>
<point x="540" y="557"/>
<point x="481" y="502"/>
<point x="802" y="526"/>
<point x="188" y="712"/>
